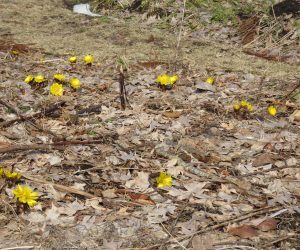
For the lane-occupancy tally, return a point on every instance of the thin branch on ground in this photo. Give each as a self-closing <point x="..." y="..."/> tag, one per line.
<point x="18" y="248"/>
<point x="59" y="187"/>
<point x="277" y="240"/>
<point x="175" y="222"/>
<point x="45" y="112"/>
<point x="227" y="222"/>
<point x="48" y="146"/>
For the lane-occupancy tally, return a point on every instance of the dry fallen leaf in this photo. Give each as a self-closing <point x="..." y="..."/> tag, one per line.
<point x="202" y="242"/>
<point x="141" y="181"/>
<point x="172" y="114"/>
<point x="263" y="159"/>
<point x="140" y="198"/>
<point x="268" y="224"/>
<point x="244" y="231"/>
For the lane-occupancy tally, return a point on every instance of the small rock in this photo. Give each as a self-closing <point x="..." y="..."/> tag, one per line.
<point x="214" y="130"/>
<point x="291" y="162"/>
<point x="204" y="86"/>
<point x="295" y="116"/>
<point x="193" y="97"/>
<point x="225" y="164"/>
<point x="279" y="164"/>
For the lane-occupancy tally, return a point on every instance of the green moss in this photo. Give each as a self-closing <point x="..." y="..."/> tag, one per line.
<point x="91" y="132"/>
<point x="223" y="14"/>
<point x="104" y="19"/>
<point x="106" y="4"/>
<point x="24" y="109"/>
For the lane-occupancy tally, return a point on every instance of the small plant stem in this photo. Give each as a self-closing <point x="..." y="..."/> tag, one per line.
<point x="122" y="90"/>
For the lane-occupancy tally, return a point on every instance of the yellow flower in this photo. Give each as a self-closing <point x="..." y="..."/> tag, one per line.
<point x="73" y="59"/>
<point x="75" y="83"/>
<point x="163" y="79"/>
<point x="164" y="180"/>
<point x="59" y="77"/>
<point x="88" y="59"/>
<point x="210" y="80"/>
<point x="39" y="79"/>
<point x="173" y="79"/>
<point x="272" y="110"/>
<point x="249" y="107"/>
<point x="12" y="175"/>
<point x="1" y="171"/>
<point x="29" y="79"/>
<point x="243" y="103"/>
<point x="237" y="106"/>
<point x="15" y="52"/>
<point x="56" y="89"/>
<point x="25" y="195"/>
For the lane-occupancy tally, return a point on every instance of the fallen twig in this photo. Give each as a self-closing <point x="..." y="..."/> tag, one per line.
<point x="175" y="223"/>
<point x="225" y="223"/>
<point x="60" y="187"/>
<point x="91" y="109"/>
<point x="236" y="219"/>
<point x="188" y="167"/>
<point x="291" y="92"/>
<point x="17" y="248"/>
<point x="50" y="146"/>
<point x="13" y="109"/>
<point x="21" y="118"/>
<point x="277" y="240"/>
<point x="268" y="170"/>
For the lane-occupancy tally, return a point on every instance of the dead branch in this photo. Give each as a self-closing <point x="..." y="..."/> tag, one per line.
<point x="268" y="170"/>
<point x="60" y="187"/>
<point x="47" y="146"/>
<point x="45" y="112"/>
<point x="293" y="90"/>
<point x="227" y="222"/>
<point x="277" y="240"/>
<point x="122" y="90"/>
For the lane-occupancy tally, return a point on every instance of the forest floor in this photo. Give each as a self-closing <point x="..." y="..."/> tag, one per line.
<point x="235" y="174"/>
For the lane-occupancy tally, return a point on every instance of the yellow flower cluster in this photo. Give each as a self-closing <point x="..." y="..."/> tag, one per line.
<point x="164" y="180"/>
<point x="88" y="59"/>
<point x="75" y="83"/>
<point x="73" y="59"/>
<point x="243" y="105"/>
<point x="57" y="88"/>
<point x="59" y="77"/>
<point x="25" y="195"/>
<point x="9" y="175"/>
<point x="166" y="81"/>
<point x="36" y="79"/>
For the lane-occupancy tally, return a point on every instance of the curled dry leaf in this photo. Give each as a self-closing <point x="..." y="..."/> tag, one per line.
<point x="140" y="198"/>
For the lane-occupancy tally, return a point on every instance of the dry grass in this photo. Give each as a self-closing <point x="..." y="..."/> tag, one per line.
<point x="64" y="33"/>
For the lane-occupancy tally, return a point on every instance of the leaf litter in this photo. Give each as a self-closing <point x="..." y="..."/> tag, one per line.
<point x="235" y="174"/>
